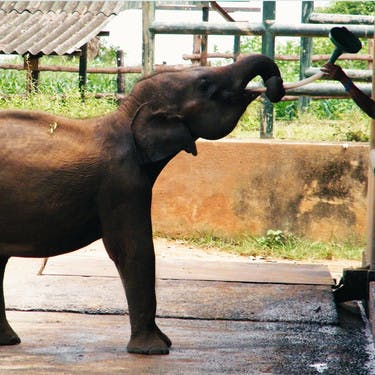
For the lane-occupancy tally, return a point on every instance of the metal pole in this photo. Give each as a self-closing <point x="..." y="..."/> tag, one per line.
<point x="120" y="76"/>
<point x="204" y="37"/>
<point x="369" y="259"/>
<point x="148" y="16"/>
<point x="306" y="51"/>
<point x="239" y="28"/>
<point x="268" y="48"/>
<point x="236" y="47"/>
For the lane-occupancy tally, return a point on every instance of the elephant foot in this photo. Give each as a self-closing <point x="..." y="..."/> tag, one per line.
<point x="8" y="336"/>
<point x="154" y="342"/>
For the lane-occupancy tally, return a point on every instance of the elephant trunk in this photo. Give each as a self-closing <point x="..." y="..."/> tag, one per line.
<point x="244" y="70"/>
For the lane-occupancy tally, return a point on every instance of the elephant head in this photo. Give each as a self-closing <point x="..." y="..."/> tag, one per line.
<point x="175" y="108"/>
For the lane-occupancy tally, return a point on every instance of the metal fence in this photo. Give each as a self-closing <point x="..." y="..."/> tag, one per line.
<point x="311" y="25"/>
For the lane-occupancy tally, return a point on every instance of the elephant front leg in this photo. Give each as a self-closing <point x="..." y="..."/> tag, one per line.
<point x="139" y="281"/>
<point x="7" y="335"/>
<point x="130" y="246"/>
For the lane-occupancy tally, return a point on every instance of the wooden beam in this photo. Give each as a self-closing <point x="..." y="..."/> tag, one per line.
<point x="82" y="80"/>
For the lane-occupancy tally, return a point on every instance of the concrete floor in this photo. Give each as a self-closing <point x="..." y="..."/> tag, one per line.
<point x="71" y="322"/>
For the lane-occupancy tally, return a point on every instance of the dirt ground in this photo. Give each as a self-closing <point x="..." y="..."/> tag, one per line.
<point x="179" y="249"/>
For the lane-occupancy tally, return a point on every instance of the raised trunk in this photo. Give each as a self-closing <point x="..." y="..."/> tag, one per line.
<point x="244" y="70"/>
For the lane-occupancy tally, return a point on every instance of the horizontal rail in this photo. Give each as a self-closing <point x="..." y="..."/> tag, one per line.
<point x="321" y="89"/>
<point x="101" y="70"/>
<point x="198" y="6"/>
<point x="74" y="69"/>
<point x="361" y="75"/>
<point x="219" y="55"/>
<point x="341" y="19"/>
<point x="318" y="30"/>
<point x="247" y="28"/>
<point x="96" y="95"/>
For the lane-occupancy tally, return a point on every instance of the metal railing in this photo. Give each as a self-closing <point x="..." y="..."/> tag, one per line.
<point x="268" y="29"/>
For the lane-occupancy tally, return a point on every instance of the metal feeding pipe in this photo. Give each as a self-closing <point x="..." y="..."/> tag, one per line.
<point x="343" y="39"/>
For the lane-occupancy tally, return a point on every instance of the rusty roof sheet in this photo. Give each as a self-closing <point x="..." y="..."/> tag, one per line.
<point x="52" y="27"/>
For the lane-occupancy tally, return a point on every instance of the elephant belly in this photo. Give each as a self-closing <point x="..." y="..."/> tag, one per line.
<point x="49" y="240"/>
<point x="45" y="212"/>
<point x="36" y="226"/>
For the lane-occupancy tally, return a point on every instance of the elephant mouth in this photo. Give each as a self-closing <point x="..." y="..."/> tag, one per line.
<point x="241" y="95"/>
<point x="245" y="95"/>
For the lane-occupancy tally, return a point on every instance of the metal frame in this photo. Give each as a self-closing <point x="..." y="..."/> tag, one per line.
<point x="268" y="29"/>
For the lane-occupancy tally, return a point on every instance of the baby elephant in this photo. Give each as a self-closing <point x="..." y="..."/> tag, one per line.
<point x="65" y="183"/>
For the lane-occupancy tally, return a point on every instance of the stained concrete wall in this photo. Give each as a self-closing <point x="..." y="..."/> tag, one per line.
<point x="317" y="190"/>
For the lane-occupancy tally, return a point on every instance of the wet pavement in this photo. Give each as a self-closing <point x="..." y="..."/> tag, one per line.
<point x="233" y="318"/>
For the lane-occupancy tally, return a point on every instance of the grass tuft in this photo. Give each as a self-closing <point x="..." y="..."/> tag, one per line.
<point x="277" y="244"/>
<point x="68" y="105"/>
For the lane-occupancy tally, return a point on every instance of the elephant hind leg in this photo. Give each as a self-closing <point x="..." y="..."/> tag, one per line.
<point x="7" y="335"/>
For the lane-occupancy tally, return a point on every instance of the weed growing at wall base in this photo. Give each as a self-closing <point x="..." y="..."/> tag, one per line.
<point x="277" y="244"/>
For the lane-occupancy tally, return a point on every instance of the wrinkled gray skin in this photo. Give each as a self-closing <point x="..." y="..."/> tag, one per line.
<point x="64" y="183"/>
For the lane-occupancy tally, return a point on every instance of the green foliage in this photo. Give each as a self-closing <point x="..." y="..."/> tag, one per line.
<point x="107" y="55"/>
<point x="278" y="244"/>
<point x="249" y="122"/>
<point x="12" y="82"/>
<point x="288" y="69"/>
<point x="349" y="126"/>
<point x="349" y="7"/>
<point x="51" y="83"/>
<point x="70" y="105"/>
<point x="276" y="238"/>
<point x="251" y="44"/>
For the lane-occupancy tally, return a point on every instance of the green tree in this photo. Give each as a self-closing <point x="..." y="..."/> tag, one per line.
<point x="350" y="7"/>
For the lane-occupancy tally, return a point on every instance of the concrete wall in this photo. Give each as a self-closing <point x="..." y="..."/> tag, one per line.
<point x="317" y="190"/>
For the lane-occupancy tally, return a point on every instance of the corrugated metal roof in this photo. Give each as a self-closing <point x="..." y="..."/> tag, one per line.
<point x="52" y="27"/>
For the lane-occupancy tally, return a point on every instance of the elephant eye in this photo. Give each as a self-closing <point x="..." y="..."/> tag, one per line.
<point x="208" y="88"/>
<point x="204" y="85"/>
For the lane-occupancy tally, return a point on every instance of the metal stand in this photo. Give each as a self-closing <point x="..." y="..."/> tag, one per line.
<point x="355" y="283"/>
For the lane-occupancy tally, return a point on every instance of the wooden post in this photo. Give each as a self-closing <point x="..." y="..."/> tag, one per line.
<point x="120" y="76"/>
<point x="148" y="16"/>
<point x="82" y="80"/>
<point x="196" y="48"/>
<point x="204" y="38"/>
<point x="31" y="64"/>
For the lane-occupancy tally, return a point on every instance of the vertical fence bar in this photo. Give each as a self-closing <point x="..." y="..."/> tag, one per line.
<point x="369" y="259"/>
<point x="120" y="76"/>
<point x="306" y="51"/>
<point x="204" y="39"/>
<point x="148" y="44"/>
<point x="82" y="75"/>
<point x="236" y="47"/>
<point x="268" y="48"/>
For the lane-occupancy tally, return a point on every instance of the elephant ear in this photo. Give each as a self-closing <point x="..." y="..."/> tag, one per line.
<point x="161" y="134"/>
